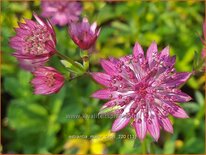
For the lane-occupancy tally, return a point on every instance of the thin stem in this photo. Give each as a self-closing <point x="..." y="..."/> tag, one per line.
<point x="144" y="146"/>
<point x="69" y="60"/>
<point x="85" y="59"/>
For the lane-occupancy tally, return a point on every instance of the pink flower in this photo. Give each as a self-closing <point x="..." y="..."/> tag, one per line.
<point x="34" y="43"/>
<point x="142" y="90"/>
<point x="61" y="12"/>
<point x="83" y="34"/>
<point x="47" y="81"/>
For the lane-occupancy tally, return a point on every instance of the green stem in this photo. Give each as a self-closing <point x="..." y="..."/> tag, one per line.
<point x="69" y="60"/>
<point x="85" y="58"/>
<point x="144" y="146"/>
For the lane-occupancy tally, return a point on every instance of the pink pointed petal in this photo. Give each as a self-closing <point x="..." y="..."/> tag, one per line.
<point x="179" y="113"/>
<point x="165" y="52"/>
<point x="102" y="94"/>
<point x="152" y="50"/>
<point x="93" y="27"/>
<point x="170" y="61"/>
<point x="101" y="78"/>
<point x="98" y="31"/>
<point x="113" y="60"/>
<point x="166" y="124"/>
<point x="108" y="104"/>
<point x="137" y="50"/>
<point x="21" y="32"/>
<point x="179" y="97"/>
<point x="109" y="67"/>
<point x="120" y="123"/>
<point x="38" y="19"/>
<point x="177" y="79"/>
<point x="37" y="81"/>
<point x="140" y="126"/>
<point x="23" y="26"/>
<point x="153" y="127"/>
<point x="85" y="20"/>
<point x="30" y="23"/>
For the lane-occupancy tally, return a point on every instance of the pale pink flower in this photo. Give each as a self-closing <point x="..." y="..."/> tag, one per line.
<point x="34" y="43"/>
<point x="61" y="12"/>
<point x="142" y="90"/>
<point x="84" y="34"/>
<point x="47" y="80"/>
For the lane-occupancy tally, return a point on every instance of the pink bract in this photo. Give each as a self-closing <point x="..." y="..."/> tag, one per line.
<point x="84" y="34"/>
<point x="34" y="43"/>
<point x="142" y="90"/>
<point x="47" y="80"/>
<point x="61" y="12"/>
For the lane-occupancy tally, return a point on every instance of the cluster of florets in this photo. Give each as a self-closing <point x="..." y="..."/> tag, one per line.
<point x="35" y="42"/>
<point x="142" y="90"/>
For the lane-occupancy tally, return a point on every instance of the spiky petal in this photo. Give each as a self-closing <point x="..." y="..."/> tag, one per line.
<point x="83" y="34"/>
<point x="143" y="89"/>
<point x="34" y="43"/>
<point x="47" y="81"/>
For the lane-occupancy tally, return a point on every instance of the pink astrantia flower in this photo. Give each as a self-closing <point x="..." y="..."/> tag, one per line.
<point x="142" y="90"/>
<point x="47" y="81"/>
<point x="61" y="12"/>
<point x="34" y="43"/>
<point x="84" y="34"/>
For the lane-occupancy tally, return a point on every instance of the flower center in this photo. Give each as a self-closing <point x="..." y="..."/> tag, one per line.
<point x="141" y="89"/>
<point x="49" y="79"/>
<point x="35" y="42"/>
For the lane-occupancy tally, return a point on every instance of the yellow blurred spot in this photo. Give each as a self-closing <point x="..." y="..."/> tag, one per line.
<point x="149" y="17"/>
<point x="191" y="2"/>
<point x="196" y="122"/>
<point x="80" y="121"/>
<point x="96" y="145"/>
<point x="178" y="144"/>
<point x="104" y="137"/>
<point x="89" y="7"/>
<point x="82" y="145"/>
<point x="14" y="21"/>
<point x="97" y="148"/>
<point x="201" y="80"/>
<point x="36" y="2"/>
<point x="27" y="14"/>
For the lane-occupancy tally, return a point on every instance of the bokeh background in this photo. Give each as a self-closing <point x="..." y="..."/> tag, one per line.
<point x="40" y="124"/>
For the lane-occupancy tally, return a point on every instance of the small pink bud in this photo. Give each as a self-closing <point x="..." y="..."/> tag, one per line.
<point x="84" y="34"/>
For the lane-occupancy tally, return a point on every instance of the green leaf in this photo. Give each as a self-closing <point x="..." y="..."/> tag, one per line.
<point x="22" y="115"/>
<point x="108" y="110"/>
<point x="72" y="68"/>
<point x="199" y="97"/>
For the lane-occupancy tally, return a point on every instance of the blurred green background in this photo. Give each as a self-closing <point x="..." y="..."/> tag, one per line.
<point x="40" y="124"/>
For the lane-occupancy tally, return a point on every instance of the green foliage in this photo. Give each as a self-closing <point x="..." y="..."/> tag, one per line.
<point x="41" y="124"/>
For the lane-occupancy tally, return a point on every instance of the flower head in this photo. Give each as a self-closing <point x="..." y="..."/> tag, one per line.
<point x="47" y="80"/>
<point x="142" y="90"/>
<point x="84" y="34"/>
<point x="61" y="12"/>
<point x="34" y="43"/>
